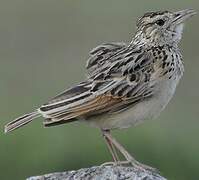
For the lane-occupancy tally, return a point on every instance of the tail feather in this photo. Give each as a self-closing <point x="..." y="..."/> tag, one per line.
<point x="21" y="121"/>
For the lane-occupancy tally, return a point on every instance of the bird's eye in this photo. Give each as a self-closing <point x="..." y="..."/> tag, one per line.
<point x="160" y="22"/>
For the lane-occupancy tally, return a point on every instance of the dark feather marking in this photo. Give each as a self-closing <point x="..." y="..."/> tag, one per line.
<point x="123" y="107"/>
<point x="152" y="14"/>
<point x="115" y="65"/>
<point x="144" y="61"/>
<point x="132" y="77"/>
<point x="49" y="122"/>
<point x="134" y="52"/>
<point x="165" y="72"/>
<point x="165" y="57"/>
<point x="137" y="67"/>
<point x="99" y="57"/>
<point x="50" y="107"/>
<point x="74" y="91"/>
<point x="128" y="60"/>
<point x="130" y="92"/>
<point x="139" y="57"/>
<point x="120" y="92"/>
<point x="113" y="91"/>
<point x="94" y="51"/>
<point x="99" y="77"/>
<point x="125" y="72"/>
<point x="96" y="86"/>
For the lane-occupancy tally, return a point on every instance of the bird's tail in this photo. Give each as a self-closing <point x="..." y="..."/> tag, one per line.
<point x="21" y="121"/>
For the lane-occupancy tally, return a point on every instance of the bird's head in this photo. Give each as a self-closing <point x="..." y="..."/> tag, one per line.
<point x="162" y="27"/>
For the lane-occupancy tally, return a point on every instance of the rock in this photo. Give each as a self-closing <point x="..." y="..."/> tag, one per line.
<point x="102" y="173"/>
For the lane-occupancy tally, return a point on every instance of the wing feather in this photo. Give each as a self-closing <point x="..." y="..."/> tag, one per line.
<point x="119" y="76"/>
<point x="101" y="55"/>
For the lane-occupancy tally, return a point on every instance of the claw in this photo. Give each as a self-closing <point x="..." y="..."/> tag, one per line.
<point x="143" y="167"/>
<point x="108" y="164"/>
<point x="117" y="163"/>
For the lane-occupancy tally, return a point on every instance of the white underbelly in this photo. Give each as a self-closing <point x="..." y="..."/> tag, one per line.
<point x="147" y="109"/>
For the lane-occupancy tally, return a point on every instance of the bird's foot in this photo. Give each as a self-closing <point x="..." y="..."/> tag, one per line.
<point x="108" y="164"/>
<point x="117" y="163"/>
<point x="135" y="164"/>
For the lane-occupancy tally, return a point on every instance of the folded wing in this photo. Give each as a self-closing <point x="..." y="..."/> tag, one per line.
<point x="118" y="76"/>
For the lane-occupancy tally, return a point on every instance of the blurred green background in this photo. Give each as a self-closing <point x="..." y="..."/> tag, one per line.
<point x="44" y="45"/>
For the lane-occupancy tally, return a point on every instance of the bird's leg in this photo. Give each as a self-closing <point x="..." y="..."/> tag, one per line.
<point x="112" y="150"/>
<point x="126" y="154"/>
<point x="112" y="142"/>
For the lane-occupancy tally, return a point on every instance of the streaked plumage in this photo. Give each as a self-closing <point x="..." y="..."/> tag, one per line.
<point x="126" y="83"/>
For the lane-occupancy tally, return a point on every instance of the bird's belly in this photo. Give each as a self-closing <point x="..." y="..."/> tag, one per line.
<point x="146" y="109"/>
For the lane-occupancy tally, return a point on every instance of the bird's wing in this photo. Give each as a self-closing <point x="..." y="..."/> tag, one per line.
<point x="124" y="79"/>
<point x="101" y="55"/>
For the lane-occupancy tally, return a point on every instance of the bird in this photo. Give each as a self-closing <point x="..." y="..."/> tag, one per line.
<point x="126" y="83"/>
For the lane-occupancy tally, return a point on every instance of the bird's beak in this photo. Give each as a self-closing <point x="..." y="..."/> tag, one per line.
<point x="181" y="16"/>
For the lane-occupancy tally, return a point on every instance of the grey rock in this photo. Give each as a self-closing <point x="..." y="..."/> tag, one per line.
<point x="102" y="173"/>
